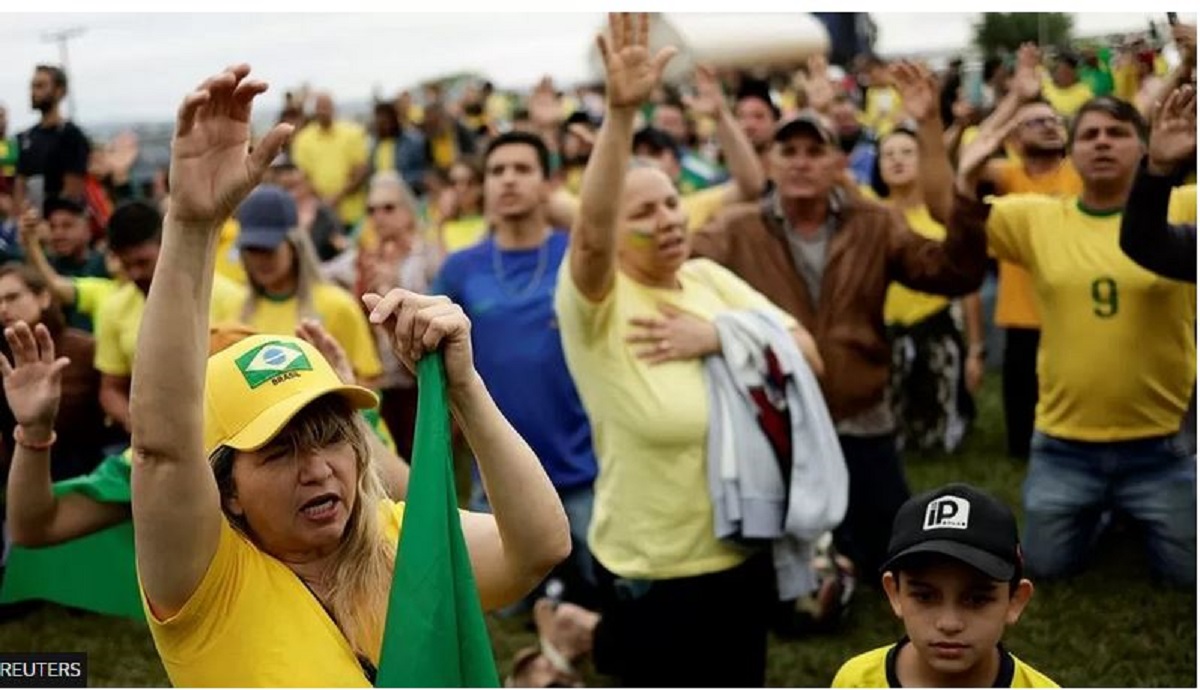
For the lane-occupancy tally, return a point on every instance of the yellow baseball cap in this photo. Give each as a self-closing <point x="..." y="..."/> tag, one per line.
<point x="253" y="389"/>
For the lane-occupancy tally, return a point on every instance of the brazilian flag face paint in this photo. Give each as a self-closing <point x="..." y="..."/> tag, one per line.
<point x="641" y="235"/>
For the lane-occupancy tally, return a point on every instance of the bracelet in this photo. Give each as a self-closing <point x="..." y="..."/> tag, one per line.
<point x="19" y="437"/>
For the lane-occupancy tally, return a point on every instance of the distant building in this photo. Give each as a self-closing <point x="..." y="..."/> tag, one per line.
<point x="850" y="34"/>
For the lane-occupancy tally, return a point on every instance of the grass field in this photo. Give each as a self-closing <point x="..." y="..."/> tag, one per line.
<point x="1111" y="627"/>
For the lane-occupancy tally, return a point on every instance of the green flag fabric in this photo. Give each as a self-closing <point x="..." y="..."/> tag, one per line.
<point x="94" y="573"/>
<point x="435" y="635"/>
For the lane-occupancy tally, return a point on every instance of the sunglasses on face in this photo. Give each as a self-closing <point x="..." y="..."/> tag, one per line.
<point x="386" y="208"/>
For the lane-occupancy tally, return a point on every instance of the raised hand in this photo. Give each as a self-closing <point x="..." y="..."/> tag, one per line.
<point x="33" y="380"/>
<point x="32" y="227"/>
<point x="972" y="158"/>
<point x="545" y="110"/>
<point x="1026" y="82"/>
<point x="916" y="90"/>
<point x="631" y="74"/>
<point x="311" y="331"/>
<point x="709" y="98"/>
<point x="818" y="90"/>
<point x="122" y="153"/>
<point x="420" y="324"/>
<point x="212" y="167"/>
<point x="1173" y="131"/>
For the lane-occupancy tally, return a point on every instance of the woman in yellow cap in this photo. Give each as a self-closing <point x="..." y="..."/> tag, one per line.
<point x="264" y="541"/>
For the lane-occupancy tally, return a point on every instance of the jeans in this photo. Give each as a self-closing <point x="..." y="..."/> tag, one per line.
<point x="1071" y="483"/>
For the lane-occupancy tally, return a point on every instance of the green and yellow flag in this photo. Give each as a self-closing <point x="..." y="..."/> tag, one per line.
<point x="435" y="635"/>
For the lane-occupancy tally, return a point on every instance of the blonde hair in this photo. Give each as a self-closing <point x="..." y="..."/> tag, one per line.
<point x="308" y="275"/>
<point x="360" y="578"/>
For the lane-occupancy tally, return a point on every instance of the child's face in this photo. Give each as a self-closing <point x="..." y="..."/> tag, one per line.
<point x="953" y="614"/>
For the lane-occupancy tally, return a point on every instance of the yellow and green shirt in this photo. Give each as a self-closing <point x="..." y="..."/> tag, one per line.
<point x="120" y="316"/>
<point x="1118" y="355"/>
<point x="253" y="623"/>
<point x="877" y="669"/>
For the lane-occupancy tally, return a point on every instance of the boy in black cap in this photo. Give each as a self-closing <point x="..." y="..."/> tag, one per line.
<point x="953" y="575"/>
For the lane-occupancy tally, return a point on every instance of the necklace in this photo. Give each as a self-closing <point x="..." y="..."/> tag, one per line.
<point x="498" y="267"/>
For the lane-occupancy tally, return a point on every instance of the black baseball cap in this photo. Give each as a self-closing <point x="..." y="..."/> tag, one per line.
<point x="760" y="90"/>
<point x="656" y="140"/>
<point x="808" y="122"/>
<point x="62" y="203"/>
<point x="266" y="217"/>
<point x="961" y="522"/>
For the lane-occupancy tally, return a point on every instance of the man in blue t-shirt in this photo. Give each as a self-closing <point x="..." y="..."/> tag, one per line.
<point x="506" y="285"/>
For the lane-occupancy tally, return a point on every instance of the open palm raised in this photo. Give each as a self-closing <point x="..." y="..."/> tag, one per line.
<point x="1173" y="133"/>
<point x="631" y="72"/>
<point x="212" y="167"/>
<point x="33" y="380"/>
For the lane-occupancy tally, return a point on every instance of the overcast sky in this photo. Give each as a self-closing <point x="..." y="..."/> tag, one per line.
<point x="138" y="65"/>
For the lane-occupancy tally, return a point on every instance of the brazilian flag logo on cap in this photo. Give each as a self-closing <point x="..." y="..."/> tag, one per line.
<point x="271" y="360"/>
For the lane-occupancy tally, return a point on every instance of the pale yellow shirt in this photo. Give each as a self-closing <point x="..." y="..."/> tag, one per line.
<point x="652" y="516"/>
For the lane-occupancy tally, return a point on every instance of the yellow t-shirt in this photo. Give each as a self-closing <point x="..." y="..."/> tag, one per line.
<point x="1066" y="101"/>
<point x="1016" y="306"/>
<point x="652" y="516"/>
<point x="120" y="317"/>
<point x="229" y="260"/>
<point x="464" y="232"/>
<point x="904" y="305"/>
<point x="1118" y="356"/>
<point x="252" y="623"/>
<point x="385" y="156"/>
<point x="444" y="148"/>
<point x="702" y="205"/>
<point x="329" y="159"/>
<point x="90" y="293"/>
<point x="340" y="315"/>
<point x="877" y="669"/>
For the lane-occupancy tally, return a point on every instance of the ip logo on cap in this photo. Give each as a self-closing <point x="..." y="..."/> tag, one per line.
<point x="947" y="512"/>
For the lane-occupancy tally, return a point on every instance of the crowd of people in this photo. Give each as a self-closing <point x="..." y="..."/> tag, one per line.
<point x="690" y="334"/>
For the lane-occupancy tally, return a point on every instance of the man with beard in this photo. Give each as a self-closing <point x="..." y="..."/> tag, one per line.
<point x="53" y="153"/>
<point x="1114" y="373"/>
<point x="506" y="285"/>
<point x="134" y="236"/>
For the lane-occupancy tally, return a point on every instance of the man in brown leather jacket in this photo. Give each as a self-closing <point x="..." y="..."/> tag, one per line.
<point x="825" y="254"/>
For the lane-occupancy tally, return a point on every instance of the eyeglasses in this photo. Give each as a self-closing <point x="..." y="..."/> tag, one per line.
<point x="387" y="208"/>
<point x="1044" y="122"/>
